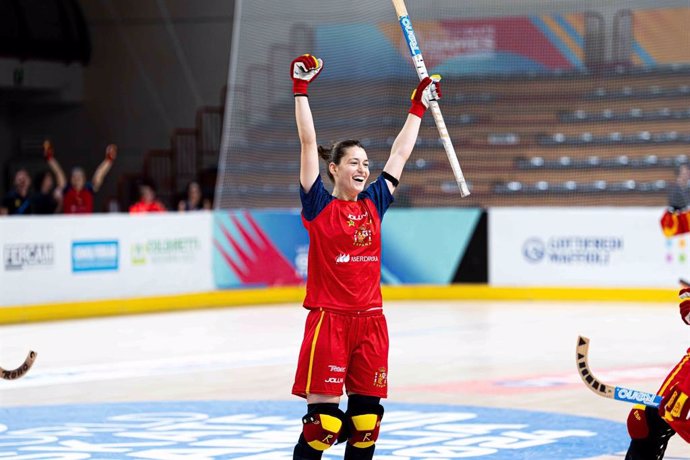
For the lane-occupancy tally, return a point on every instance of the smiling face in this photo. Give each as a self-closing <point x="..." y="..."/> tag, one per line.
<point x="351" y="173"/>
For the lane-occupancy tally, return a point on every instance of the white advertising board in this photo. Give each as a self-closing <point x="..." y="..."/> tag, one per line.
<point x="65" y="258"/>
<point x="584" y="247"/>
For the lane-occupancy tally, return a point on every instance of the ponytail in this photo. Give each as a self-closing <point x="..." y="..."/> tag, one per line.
<point x="335" y="153"/>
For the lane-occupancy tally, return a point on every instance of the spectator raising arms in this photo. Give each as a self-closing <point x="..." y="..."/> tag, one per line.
<point x="48" y="197"/>
<point x="18" y="201"/>
<point x="78" y="194"/>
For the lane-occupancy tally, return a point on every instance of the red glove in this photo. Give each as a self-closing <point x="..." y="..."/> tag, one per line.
<point x="48" y="151"/>
<point x="429" y="89"/>
<point x="111" y="152"/>
<point x="684" y="295"/>
<point x="303" y="71"/>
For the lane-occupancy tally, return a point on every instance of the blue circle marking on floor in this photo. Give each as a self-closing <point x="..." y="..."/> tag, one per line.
<point x="207" y="430"/>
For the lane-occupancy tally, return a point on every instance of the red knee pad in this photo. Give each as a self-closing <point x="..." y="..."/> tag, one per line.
<point x="638" y="427"/>
<point x="365" y="423"/>
<point x="322" y="426"/>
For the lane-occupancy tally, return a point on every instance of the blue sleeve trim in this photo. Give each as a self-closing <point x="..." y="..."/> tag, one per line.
<point x="378" y="193"/>
<point x="315" y="201"/>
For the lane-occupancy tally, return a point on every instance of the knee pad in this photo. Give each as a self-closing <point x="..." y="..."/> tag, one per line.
<point x="364" y="415"/>
<point x="649" y="432"/>
<point x="322" y="426"/>
<point x="637" y="423"/>
<point x="645" y="422"/>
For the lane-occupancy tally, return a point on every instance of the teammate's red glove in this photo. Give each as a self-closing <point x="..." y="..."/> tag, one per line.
<point x="111" y="152"/>
<point x="303" y="71"/>
<point x="684" y="295"/>
<point x="429" y="89"/>
<point x="48" y="150"/>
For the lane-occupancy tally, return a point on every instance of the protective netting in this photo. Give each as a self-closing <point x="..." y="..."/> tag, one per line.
<point x="545" y="106"/>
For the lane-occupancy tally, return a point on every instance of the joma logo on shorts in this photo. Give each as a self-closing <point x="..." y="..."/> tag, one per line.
<point x="334" y="380"/>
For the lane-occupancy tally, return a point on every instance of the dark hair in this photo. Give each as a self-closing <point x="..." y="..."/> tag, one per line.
<point x="147" y="182"/>
<point x="40" y="176"/>
<point x="336" y="153"/>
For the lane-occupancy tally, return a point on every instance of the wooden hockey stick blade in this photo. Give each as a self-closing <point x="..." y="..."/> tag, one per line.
<point x="605" y="390"/>
<point x="21" y="370"/>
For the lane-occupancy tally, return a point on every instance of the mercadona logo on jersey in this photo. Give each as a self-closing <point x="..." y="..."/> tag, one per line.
<point x="268" y="430"/>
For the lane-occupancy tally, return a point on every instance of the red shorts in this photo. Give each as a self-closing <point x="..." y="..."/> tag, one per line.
<point x="342" y="349"/>
<point x="679" y="375"/>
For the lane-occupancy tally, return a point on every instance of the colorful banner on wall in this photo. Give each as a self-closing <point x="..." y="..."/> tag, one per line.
<point x="460" y="46"/>
<point x="512" y="44"/>
<point x="270" y="248"/>
<point x="661" y="36"/>
<point x="545" y="42"/>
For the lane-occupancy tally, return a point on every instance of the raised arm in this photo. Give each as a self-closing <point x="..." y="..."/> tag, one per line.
<point x="428" y="89"/>
<point x="304" y="70"/>
<point x="104" y="167"/>
<point x="49" y="155"/>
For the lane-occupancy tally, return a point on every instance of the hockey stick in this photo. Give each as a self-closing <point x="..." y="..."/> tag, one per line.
<point x="21" y="370"/>
<point x="416" y="52"/>
<point x="609" y="391"/>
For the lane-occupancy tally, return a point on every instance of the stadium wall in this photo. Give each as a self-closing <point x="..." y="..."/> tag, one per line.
<point x="70" y="267"/>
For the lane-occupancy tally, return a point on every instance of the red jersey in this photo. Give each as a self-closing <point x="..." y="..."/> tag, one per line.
<point x="140" y="206"/>
<point x="344" y="265"/>
<point x="78" y="202"/>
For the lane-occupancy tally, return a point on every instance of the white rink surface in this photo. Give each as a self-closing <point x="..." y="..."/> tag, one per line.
<point x="441" y="352"/>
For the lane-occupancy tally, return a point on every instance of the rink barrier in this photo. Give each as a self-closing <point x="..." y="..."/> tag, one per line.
<point x="295" y="295"/>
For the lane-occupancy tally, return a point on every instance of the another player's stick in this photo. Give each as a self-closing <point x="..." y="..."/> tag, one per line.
<point x="416" y="52"/>
<point x="609" y="391"/>
<point x="21" y="370"/>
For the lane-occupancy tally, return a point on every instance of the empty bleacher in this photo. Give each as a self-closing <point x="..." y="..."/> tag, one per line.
<point x="558" y="139"/>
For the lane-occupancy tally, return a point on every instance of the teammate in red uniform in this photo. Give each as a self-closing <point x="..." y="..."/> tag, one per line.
<point x="346" y="338"/>
<point x="649" y="428"/>
<point x="78" y="194"/>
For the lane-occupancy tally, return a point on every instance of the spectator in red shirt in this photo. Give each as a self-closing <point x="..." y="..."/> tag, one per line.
<point x="78" y="194"/>
<point x="147" y="200"/>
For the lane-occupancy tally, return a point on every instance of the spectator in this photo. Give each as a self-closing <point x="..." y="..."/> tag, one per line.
<point x="78" y="194"/>
<point x="147" y="200"/>
<point x="679" y="194"/>
<point x="18" y="200"/>
<point x="195" y="200"/>
<point x="48" y="198"/>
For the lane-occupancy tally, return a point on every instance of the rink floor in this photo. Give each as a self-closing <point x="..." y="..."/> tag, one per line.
<point x="492" y="380"/>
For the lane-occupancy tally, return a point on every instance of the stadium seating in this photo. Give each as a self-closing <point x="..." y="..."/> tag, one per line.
<point x="571" y="138"/>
